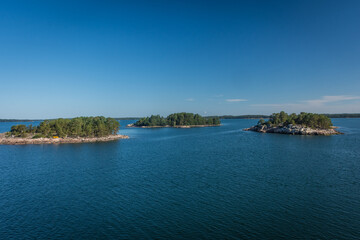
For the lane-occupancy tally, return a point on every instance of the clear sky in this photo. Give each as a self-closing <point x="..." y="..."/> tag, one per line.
<point x="136" y="58"/>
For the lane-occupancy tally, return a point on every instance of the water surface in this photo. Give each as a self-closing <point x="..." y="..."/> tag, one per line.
<point x="218" y="182"/>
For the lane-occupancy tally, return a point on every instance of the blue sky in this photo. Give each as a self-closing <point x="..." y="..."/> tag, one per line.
<point x="136" y="58"/>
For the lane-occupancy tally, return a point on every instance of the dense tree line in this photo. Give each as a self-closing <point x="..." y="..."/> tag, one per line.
<point x="242" y="116"/>
<point x="177" y="119"/>
<point x="311" y="120"/>
<point x="18" y="120"/>
<point x="343" y="115"/>
<point x="330" y="115"/>
<point x="75" y="127"/>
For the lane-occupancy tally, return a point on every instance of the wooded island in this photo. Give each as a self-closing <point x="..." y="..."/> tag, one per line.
<point x="301" y="124"/>
<point x="181" y="120"/>
<point x="80" y="129"/>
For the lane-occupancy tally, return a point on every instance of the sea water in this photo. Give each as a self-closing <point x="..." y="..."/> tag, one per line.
<point x="198" y="183"/>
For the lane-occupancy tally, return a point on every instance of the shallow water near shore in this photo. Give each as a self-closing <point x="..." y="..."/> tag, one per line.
<point x="204" y="183"/>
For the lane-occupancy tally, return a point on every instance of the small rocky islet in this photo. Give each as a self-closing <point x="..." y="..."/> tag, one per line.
<point x="293" y="124"/>
<point x="293" y="130"/>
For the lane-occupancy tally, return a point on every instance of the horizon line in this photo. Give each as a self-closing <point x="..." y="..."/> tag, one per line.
<point x="130" y="118"/>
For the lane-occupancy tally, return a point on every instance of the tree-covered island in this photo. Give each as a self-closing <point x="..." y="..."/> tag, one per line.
<point x="80" y="129"/>
<point x="296" y="124"/>
<point x="181" y="120"/>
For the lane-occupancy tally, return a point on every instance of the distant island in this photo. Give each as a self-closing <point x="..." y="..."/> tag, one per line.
<point x="177" y="120"/>
<point x="75" y="130"/>
<point x="330" y="115"/>
<point x="20" y="120"/>
<point x="301" y="124"/>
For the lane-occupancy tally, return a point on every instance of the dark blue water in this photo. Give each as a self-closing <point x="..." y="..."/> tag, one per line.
<point x="200" y="183"/>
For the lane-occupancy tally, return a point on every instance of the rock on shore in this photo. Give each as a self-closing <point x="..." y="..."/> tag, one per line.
<point x="29" y="140"/>
<point x="293" y="130"/>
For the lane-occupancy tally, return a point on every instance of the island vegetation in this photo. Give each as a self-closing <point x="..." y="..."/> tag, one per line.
<point x="80" y="129"/>
<point x="296" y="124"/>
<point x="311" y="120"/>
<point x="75" y="127"/>
<point x="177" y="120"/>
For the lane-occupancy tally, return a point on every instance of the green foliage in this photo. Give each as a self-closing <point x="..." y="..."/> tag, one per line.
<point x="76" y="127"/>
<point x="177" y="119"/>
<point x="311" y="120"/>
<point x="19" y="130"/>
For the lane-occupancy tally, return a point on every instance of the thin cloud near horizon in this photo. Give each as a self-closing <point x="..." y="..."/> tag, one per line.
<point x="328" y="99"/>
<point x="236" y="100"/>
<point x="318" y="105"/>
<point x="321" y="101"/>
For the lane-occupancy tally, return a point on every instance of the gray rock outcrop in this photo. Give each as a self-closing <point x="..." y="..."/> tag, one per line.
<point x="292" y="129"/>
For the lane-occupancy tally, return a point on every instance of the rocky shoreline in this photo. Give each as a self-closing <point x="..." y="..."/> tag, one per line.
<point x="293" y="130"/>
<point x="168" y="126"/>
<point x="29" y="140"/>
